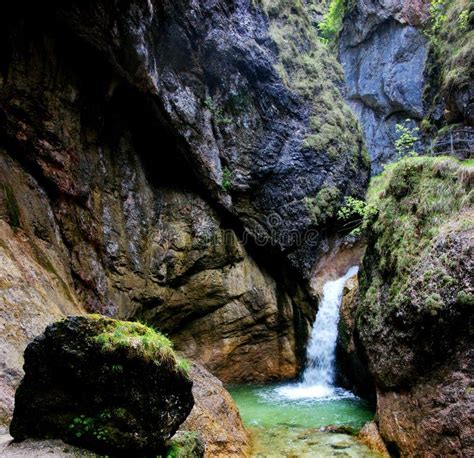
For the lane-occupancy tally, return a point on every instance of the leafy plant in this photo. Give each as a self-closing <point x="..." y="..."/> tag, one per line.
<point x="82" y="426"/>
<point x="438" y="15"/>
<point x="463" y="20"/>
<point x="332" y="21"/>
<point x="226" y="179"/>
<point x="406" y="140"/>
<point x="219" y="116"/>
<point x="358" y="213"/>
<point x="117" y="368"/>
<point x="173" y="452"/>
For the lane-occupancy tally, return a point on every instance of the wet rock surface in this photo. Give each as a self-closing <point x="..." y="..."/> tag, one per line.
<point x="352" y="361"/>
<point x="384" y="55"/>
<point x="107" y="385"/>
<point x="215" y="417"/>
<point x="369" y="435"/>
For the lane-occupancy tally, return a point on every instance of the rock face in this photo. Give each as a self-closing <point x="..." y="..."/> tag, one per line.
<point x="33" y="294"/>
<point x="167" y="160"/>
<point x="414" y="314"/>
<point x="208" y="73"/>
<point x="408" y="64"/>
<point x="352" y="362"/>
<point x="384" y="56"/>
<point x="370" y="436"/>
<point x="109" y="385"/>
<point x="215" y="417"/>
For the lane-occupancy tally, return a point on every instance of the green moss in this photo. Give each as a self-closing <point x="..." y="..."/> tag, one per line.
<point x="465" y="298"/>
<point x="324" y="205"/>
<point x="13" y="210"/>
<point x="434" y="303"/>
<point x="226" y="179"/>
<point x="140" y="339"/>
<point x="308" y="68"/>
<point x="332" y="21"/>
<point x="451" y="35"/>
<point x="414" y="198"/>
<point x="183" y="445"/>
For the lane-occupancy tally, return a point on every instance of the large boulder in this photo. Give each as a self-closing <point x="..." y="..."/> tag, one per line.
<point x="215" y="417"/>
<point x="108" y="385"/>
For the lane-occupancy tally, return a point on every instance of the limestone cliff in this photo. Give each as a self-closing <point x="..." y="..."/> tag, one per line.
<point x="384" y="54"/>
<point x="166" y="160"/>
<point x="410" y="63"/>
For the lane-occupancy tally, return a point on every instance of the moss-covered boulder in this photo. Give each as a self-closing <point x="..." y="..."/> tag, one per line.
<point x="112" y="386"/>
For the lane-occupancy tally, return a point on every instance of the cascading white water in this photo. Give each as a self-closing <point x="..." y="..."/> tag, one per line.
<point x="319" y="375"/>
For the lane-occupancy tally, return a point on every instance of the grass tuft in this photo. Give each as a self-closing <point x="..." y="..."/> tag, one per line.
<point x="139" y="339"/>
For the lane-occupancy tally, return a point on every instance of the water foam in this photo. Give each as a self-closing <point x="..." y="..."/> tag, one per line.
<point x="319" y="376"/>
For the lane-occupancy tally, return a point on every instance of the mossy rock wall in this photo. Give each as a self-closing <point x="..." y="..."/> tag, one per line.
<point x="414" y="316"/>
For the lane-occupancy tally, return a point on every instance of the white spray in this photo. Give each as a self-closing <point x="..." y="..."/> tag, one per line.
<point x="319" y="375"/>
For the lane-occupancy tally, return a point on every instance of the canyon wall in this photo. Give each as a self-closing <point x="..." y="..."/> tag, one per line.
<point x="384" y="55"/>
<point x="167" y="161"/>
<point x="409" y="63"/>
<point x="407" y="333"/>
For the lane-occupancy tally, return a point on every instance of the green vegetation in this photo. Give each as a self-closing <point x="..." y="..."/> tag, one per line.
<point x="407" y="137"/>
<point x="324" y="205"/>
<point x="219" y="116"/>
<point x="226" y="179"/>
<point x="309" y="69"/>
<point x="357" y="213"/>
<point x="332" y="21"/>
<point x="12" y="208"/>
<point x="465" y="298"/>
<point x="451" y="35"/>
<point x="139" y="339"/>
<point x="83" y="426"/>
<point x="182" y="446"/>
<point x="438" y="15"/>
<point x="414" y="199"/>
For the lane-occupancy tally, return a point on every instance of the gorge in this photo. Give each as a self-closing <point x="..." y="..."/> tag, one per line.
<point x="208" y="168"/>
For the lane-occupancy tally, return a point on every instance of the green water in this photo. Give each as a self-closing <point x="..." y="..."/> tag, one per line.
<point x="281" y="427"/>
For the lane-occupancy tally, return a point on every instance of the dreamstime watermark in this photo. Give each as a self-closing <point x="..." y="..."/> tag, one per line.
<point x="273" y="231"/>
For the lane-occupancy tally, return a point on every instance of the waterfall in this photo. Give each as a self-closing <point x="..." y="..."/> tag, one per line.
<point x="319" y="375"/>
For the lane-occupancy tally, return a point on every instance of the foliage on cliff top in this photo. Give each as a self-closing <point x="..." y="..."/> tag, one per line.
<point x="308" y="68"/>
<point x="141" y="340"/>
<point x="414" y="198"/>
